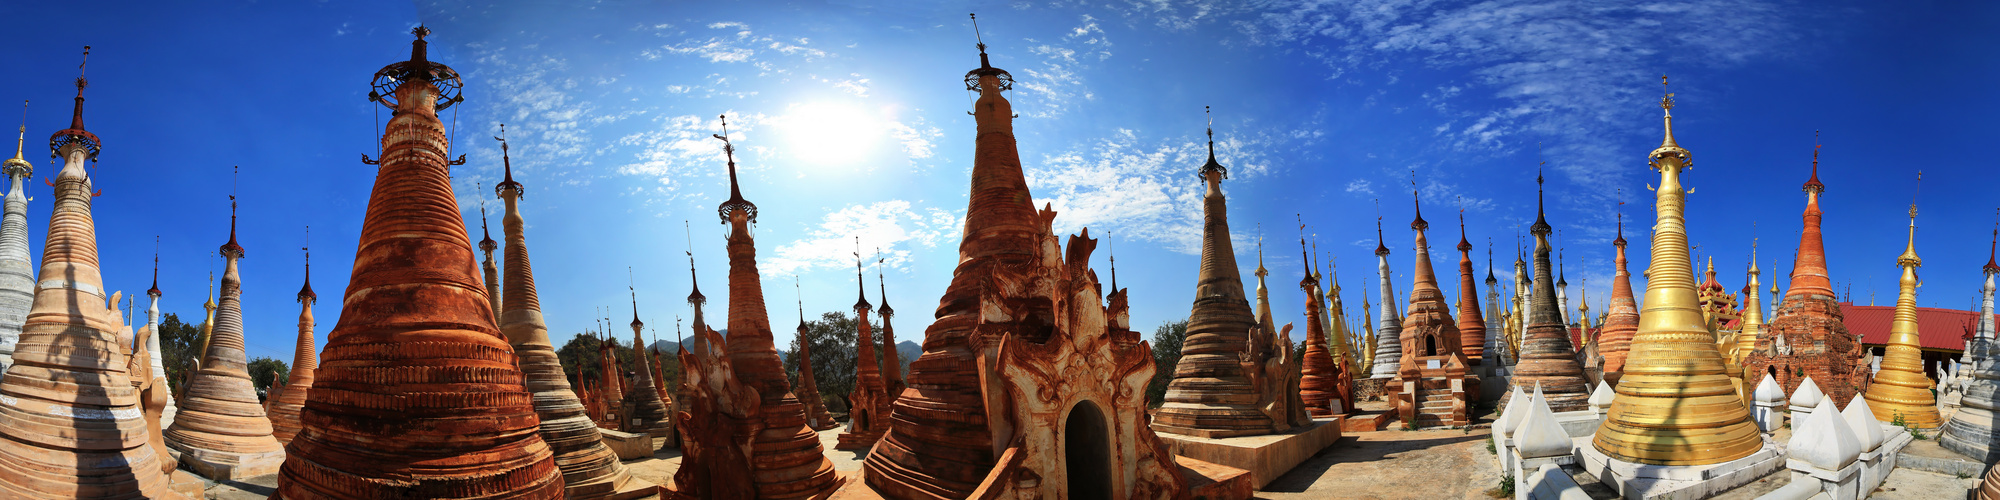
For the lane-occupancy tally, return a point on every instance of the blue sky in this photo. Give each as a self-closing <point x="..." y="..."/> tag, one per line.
<point x="849" y="117"/>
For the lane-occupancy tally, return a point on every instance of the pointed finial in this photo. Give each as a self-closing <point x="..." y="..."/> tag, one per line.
<point x="631" y="285"/>
<point x="981" y="39"/>
<point x="1212" y="166"/>
<point x="1812" y="184"/>
<point x="507" y="165"/>
<point x="1111" y="249"/>
<point x="800" y="295"/>
<point x="18" y="161"/>
<point x="1541" y="226"/>
<point x="75" y="134"/>
<point x="1489" y="263"/>
<point x="1261" y="272"/>
<point x="155" y="290"/>
<point x="231" y="249"/>
<point x="736" y="203"/>
<point x="1417" y="196"/>
<point x="1381" y="246"/>
<point x="1991" y="266"/>
<point x="1463" y="246"/>
<point x="306" y="292"/>
<point x="859" y="288"/>
<point x="1620" y="242"/>
<point x="486" y="242"/>
<point x="1309" y="281"/>
<point x="1909" y="256"/>
<point x="882" y="281"/>
<point x="695" y="298"/>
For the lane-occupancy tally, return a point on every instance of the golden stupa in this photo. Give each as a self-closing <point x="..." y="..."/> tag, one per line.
<point x="1676" y="405"/>
<point x="1753" y="316"/>
<point x="1900" y="390"/>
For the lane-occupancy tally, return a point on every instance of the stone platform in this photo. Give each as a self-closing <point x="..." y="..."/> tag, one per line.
<point x="627" y="445"/>
<point x="1928" y="455"/>
<point x="1642" y="482"/>
<point x="1208" y="481"/>
<point x="1366" y="420"/>
<point x="1265" y="457"/>
<point x="224" y="466"/>
<point x="187" y="484"/>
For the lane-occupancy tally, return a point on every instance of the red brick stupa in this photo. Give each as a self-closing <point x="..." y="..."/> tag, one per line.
<point x="1808" y="337"/>
<point x="1621" y="320"/>
<point x="1433" y="386"/>
<point x="1321" y="377"/>
<point x="286" y="402"/>
<point x="1029" y="385"/>
<point x="1548" y="359"/>
<point x="1471" y="324"/>
<point x="418" y="396"/>
<point x="222" y="431"/>
<point x="816" y="415"/>
<point x="787" y="457"/>
<point x="868" y="415"/>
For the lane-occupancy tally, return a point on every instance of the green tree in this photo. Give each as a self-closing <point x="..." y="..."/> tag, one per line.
<point x="832" y="338"/>
<point x="265" y="372"/>
<point x="1166" y="355"/>
<point x="582" y="358"/>
<point x="178" y="341"/>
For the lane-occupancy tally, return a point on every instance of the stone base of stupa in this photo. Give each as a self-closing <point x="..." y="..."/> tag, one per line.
<point x="1214" y="481"/>
<point x="1580" y="423"/>
<point x="636" y="489"/>
<point x="225" y="466"/>
<point x="1642" y="481"/>
<point x="857" y="440"/>
<point x="1265" y="456"/>
<point x="627" y="445"/>
<point x="186" y="484"/>
<point x="1493" y="382"/>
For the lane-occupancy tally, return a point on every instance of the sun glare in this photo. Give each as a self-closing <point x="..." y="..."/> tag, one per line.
<point x="829" y="133"/>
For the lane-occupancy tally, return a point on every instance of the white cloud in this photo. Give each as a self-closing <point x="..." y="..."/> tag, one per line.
<point x="1059" y="80"/>
<point x="1361" y="186"/>
<point x="1146" y="189"/>
<point x="741" y="45"/>
<point x="892" y="226"/>
<point x="917" y="139"/>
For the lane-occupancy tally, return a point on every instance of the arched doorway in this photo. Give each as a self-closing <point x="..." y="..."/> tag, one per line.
<point x="1087" y="452"/>
<point x="1430" y="345"/>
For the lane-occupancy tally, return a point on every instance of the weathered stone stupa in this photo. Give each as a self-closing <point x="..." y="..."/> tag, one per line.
<point x="1901" y="393"/>
<point x="787" y="459"/>
<point x="1320" y="374"/>
<point x="868" y="417"/>
<point x="488" y="271"/>
<point x="222" y="432"/>
<point x="285" y="405"/>
<point x="1548" y="359"/>
<point x="1808" y="337"/>
<point x="1970" y="431"/>
<point x="717" y="412"/>
<point x="816" y="415"/>
<point x="1621" y="320"/>
<point x="417" y="394"/>
<point x="1389" y="348"/>
<point x="169" y="409"/>
<point x="73" y="425"/>
<point x="1675" y="405"/>
<point x="892" y="362"/>
<point x="1495" y="354"/>
<point x="1433" y="387"/>
<point x="1029" y="386"/>
<point x="1471" y="324"/>
<point x="648" y="413"/>
<point x="1210" y="395"/>
<point x="17" y="274"/>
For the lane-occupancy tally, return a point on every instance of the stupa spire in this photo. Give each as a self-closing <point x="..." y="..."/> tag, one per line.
<point x="1676" y="405"/>
<point x="17" y="272"/>
<point x="815" y="406"/>
<point x="1753" y="314"/>
<point x="1548" y="358"/>
<point x="1809" y="271"/>
<point x="892" y="362"/>
<point x="490" y="271"/>
<point x="223" y="432"/>
<point x="286" y="402"/>
<point x="75" y="134"/>
<point x="1389" y="333"/>
<point x="1901" y="392"/>
<point x="649" y="412"/>
<point x="1471" y="324"/>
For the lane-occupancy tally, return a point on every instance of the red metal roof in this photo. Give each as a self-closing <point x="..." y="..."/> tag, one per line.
<point x="1937" y="329"/>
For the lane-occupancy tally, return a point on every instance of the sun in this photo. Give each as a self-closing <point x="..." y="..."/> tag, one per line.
<point x="829" y="132"/>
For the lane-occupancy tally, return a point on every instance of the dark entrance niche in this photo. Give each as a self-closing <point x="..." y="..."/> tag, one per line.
<point x="1430" y="345"/>
<point x="1088" y="452"/>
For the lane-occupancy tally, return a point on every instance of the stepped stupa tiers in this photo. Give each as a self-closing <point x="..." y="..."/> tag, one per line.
<point x="1431" y="388"/>
<point x="417" y="394"/>
<point x="1675" y="405"/>
<point x="1808" y="336"/>
<point x="1621" y="320"/>
<point x="868" y="416"/>
<point x="1970" y="431"/>
<point x="1389" y="348"/>
<point x="1547" y="358"/>
<point x="1901" y="393"/>
<point x="1024" y="360"/>
<point x="17" y="274"/>
<point x="72" y="419"/>
<point x="648" y="414"/>
<point x="1211" y="395"/>
<point x="1320" y="374"/>
<point x="788" y="459"/>
<point x="285" y="405"/>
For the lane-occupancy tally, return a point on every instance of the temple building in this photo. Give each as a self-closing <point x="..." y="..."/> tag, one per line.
<point x="1809" y="336"/>
<point x="1970" y="431"/>
<point x="1389" y="349"/>
<point x="1029" y="385"/>
<point x="868" y="417"/>
<point x="590" y="470"/>
<point x="415" y="369"/>
<point x="1675" y="406"/>
<point x="1621" y="319"/>
<point x="647" y="413"/>
<point x="1900" y="393"/>
<point x="1433" y="386"/>
<point x="1547" y="357"/>
<point x="71" y="361"/>
<point x="788" y="460"/>
<point x="17" y="273"/>
<point x="1211" y="394"/>
<point x="1718" y="307"/>
<point x="284" y="406"/>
